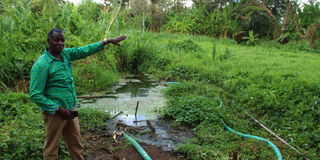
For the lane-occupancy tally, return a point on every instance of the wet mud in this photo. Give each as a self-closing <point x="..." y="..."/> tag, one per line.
<point x="102" y="147"/>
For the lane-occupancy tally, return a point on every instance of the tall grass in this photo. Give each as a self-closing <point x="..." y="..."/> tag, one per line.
<point x="24" y="28"/>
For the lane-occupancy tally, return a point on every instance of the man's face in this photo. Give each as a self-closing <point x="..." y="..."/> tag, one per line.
<point x="56" y="42"/>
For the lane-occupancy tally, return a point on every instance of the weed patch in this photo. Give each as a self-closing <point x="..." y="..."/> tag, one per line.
<point x="184" y="46"/>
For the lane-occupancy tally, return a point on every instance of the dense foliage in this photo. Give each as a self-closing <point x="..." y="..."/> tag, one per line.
<point x="21" y="127"/>
<point x="24" y="25"/>
<point x="281" y="20"/>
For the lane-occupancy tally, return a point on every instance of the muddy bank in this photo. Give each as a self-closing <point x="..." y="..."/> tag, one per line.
<point x="99" y="146"/>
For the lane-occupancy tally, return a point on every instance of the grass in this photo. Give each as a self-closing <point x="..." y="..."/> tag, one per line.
<point x="274" y="84"/>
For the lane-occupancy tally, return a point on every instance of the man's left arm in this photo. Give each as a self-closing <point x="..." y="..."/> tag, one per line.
<point x="82" y="52"/>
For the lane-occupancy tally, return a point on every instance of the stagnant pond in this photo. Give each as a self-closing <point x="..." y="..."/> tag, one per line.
<point x="148" y="93"/>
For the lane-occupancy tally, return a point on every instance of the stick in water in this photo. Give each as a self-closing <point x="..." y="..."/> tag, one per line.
<point x="116" y="115"/>
<point x="135" y="114"/>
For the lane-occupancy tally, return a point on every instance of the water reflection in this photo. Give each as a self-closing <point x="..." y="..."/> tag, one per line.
<point x="137" y="86"/>
<point x="126" y="93"/>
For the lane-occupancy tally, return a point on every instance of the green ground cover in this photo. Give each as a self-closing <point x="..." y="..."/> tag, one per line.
<point x="280" y="87"/>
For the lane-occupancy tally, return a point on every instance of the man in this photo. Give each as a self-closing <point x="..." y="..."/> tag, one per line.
<point x="52" y="88"/>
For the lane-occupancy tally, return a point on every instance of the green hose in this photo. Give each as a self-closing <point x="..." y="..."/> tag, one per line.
<point x="136" y="145"/>
<point x="274" y="147"/>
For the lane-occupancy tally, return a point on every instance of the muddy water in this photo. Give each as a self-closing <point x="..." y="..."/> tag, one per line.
<point x="124" y="97"/>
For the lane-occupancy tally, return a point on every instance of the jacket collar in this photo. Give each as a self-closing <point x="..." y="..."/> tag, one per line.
<point x="49" y="57"/>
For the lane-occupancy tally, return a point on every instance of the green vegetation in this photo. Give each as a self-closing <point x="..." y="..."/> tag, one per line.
<point x="92" y="119"/>
<point x="23" y="32"/>
<point x="278" y="83"/>
<point x="274" y="83"/>
<point x="21" y="127"/>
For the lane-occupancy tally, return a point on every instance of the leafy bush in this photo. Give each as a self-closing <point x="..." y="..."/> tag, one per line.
<point x="301" y="45"/>
<point x="191" y="110"/>
<point x="160" y="62"/>
<point x="227" y="54"/>
<point x="136" y="54"/>
<point x="187" y="87"/>
<point x="251" y="39"/>
<point x="21" y="127"/>
<point x="92" y="119"/>
<point x="94" y="77"/>
<point x="184" y="46"/>
<point x="197" y="152"/>
<point x="181" y="71"/>
<point x="178" y="23"/>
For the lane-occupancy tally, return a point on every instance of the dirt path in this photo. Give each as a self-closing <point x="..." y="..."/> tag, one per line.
<point x="101" y="147"/>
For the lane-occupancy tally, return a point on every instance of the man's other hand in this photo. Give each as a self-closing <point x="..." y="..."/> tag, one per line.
<point x="115" y="41"/>
<point x="64" y="113"/>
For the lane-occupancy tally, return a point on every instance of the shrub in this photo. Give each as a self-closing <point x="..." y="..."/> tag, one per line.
<point x="21" y="129"/>
<point x="191" y="110"/>
<point x="92" y="119"/>
<point x="184" y="46"/>
<point x="301" y="45"/>
<point x="94" y="77"/>
<point x="198" y="152"/>
<point x="135" y="55"/>
<point x="187" y="87"/>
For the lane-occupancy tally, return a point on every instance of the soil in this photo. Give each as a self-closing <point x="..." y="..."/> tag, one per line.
<point x="99" y="146"/>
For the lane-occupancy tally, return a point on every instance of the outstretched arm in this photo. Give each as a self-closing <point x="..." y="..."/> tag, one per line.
<point x="114" y="41"/>
<point x="82" y="52"/>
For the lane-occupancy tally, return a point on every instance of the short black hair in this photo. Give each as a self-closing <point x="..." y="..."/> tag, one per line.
<point x="54" y="30"/>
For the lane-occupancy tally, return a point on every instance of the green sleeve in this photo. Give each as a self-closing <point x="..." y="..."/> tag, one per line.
<point x="82" y="52"/>
<point x="38" y="78"/>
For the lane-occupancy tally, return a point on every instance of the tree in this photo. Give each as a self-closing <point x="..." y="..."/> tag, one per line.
<point x="310" y="19"/>
<point x="140" y="9"/>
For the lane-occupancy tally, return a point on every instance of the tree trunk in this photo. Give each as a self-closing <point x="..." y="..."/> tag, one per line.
<point x="284" y="24"/>
<point x="296" y="19"/>
<point x="312" y="36"/>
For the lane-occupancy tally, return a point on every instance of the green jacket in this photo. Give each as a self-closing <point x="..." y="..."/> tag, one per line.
<point x="51" y="82"/>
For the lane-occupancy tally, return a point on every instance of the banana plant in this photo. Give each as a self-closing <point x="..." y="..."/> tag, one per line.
<point x="251" y="39"/>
